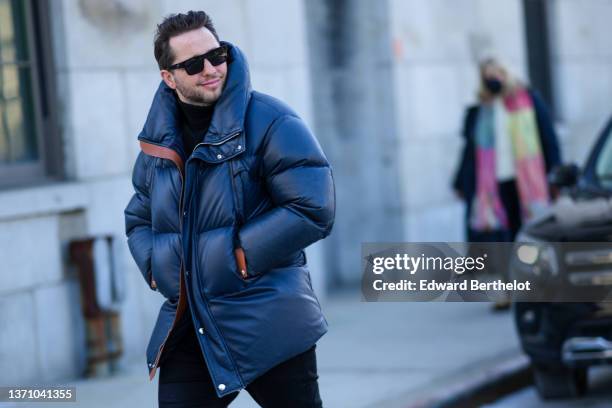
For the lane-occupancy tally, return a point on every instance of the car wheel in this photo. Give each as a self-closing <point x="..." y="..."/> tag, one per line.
<point x="560" y="382"/>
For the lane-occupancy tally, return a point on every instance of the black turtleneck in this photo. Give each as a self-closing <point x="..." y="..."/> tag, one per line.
<point x="194" y="124"/>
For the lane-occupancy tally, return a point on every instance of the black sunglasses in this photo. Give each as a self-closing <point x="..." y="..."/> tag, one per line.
<point x="195" y="65"/>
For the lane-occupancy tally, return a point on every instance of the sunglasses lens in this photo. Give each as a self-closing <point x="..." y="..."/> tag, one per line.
<point x="195" y="66"/>
<point x="217" y="56"/>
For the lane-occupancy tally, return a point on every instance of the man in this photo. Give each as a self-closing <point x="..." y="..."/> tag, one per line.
<point x="230" y="188"/>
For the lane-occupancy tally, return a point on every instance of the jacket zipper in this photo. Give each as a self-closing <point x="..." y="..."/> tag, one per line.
<point x="206" y="300"/>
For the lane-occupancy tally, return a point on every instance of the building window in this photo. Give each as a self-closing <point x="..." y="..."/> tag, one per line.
<point x="28" y="137"/>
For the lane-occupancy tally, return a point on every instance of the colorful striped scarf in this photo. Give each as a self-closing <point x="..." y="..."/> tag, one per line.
<point x="488" y="212"/>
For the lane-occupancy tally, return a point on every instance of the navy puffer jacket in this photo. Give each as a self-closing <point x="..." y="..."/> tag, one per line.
<point x="260" y="181"/>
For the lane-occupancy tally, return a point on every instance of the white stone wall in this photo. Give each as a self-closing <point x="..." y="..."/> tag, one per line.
<point x="106" y="78"/>
<point x="39" y="320"/>
<point x="582" y="62"/>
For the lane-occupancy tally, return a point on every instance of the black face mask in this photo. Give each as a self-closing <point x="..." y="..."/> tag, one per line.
<point x="494" y="85"/>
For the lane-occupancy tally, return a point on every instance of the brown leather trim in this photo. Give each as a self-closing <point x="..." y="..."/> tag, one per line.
<point x="162" y="152"/>
<point x="167" y="153"/>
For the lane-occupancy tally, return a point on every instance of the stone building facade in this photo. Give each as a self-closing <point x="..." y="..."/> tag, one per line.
<point x="382" y="83"/>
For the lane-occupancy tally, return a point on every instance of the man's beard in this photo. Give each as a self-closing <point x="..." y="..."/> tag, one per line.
<point x="198" y="95"/>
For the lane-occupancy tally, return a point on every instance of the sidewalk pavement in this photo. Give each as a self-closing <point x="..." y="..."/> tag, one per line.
<point x="392" y="355"/>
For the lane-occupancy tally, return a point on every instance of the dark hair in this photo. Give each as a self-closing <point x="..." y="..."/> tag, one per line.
<point x="176" y="24"/>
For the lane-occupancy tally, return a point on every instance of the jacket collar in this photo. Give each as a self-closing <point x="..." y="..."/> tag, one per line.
<point x="161" y="126"/>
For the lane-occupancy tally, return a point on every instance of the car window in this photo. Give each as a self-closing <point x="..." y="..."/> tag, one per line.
<point x="603" y="164"/>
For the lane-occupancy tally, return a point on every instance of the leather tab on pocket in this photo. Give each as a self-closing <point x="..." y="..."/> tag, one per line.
<point x="241" y="262"/>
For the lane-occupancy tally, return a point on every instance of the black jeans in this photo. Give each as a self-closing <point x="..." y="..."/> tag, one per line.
<point x="184" y="380"/>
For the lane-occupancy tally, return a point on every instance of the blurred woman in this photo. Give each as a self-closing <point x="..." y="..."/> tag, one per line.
<point x="510" y="146"/>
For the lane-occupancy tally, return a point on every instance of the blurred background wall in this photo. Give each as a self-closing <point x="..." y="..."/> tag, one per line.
<point x="382" y="83"/>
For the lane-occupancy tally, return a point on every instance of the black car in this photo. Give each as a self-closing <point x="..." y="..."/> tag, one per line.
<point x="563" y="338"/>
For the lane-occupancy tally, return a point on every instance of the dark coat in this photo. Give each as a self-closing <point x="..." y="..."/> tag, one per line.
<point x="259" y="181"/>
<point x="465" y="178"/>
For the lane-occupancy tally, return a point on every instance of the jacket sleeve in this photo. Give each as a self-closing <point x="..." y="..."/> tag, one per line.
<point x="461" y="172"/>
<point x="548" y="135"/>
<point x="138" y="217"/>
<point x="300" y="183"/>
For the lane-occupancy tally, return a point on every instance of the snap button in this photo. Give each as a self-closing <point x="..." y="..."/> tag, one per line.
<point x="221" y="387"/>
<point x="186" y="273"/>
<point x="151" y="365"/>
<point x="219" y="156"/>
<point x="201" y="330"/>
<point x="239" y="147"/>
